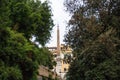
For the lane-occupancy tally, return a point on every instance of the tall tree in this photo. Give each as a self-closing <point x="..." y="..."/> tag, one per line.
<point x="19" y="21"/>
<point x="94" y="37"/>
<point x="32" y="18"/>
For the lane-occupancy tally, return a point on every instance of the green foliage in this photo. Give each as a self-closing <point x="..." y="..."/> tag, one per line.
<point x="4" y="14"/>
<point x="95" y="63"/>
<point x="21" y="54"/>
<point x="47" y="60"/>
<point x="10" y="73"/>
<point x="19" y="21"/>
<point x="94" y="36"/>
<point x="67" y="58"/>
<point x="32" y="18"/>
<point x="42" y="20"/>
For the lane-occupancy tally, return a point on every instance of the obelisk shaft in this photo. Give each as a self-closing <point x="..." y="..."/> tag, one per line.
<point x="58" y="40"/>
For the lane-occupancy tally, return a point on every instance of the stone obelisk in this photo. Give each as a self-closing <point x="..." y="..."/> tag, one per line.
<point x="58" y="41"/>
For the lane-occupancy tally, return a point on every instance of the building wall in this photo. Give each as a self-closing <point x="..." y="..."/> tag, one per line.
<point x="64" y="67"/>
<point x="61" y="67"/>
<point x="45" y="72"/>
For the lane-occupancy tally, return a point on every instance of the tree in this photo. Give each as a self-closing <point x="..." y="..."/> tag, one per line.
<point x="4" y="13"/>
<point x="94" y="36"/>
<point x="32" y="18"/>
<point x="19" y="21"/>
<point x="17" y="53"/>
<point x="47" y="58"/>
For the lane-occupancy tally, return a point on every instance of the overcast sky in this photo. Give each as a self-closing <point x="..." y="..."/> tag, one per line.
<point x="60" y="17"/>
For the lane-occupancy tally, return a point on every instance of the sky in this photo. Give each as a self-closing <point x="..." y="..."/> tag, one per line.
<point x="60" y="17"/>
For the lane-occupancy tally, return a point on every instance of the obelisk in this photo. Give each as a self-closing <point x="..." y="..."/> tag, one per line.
<point x="58" y="41"/>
